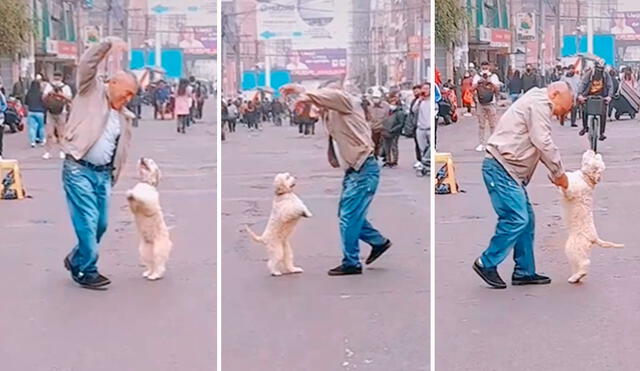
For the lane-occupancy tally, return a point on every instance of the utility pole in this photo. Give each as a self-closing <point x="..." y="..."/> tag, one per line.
<point x="108" y="15"/>
<point x="590" y="28"/>
<point x="541" y="26"/>
<point x="557" y="30"/>
<point x="421" y="29"/>
<point x="125" y="28"/>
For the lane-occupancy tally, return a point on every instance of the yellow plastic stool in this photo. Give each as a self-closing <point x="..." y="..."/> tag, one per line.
<point x="446" y="158"/>
<point x="7" y="166"/>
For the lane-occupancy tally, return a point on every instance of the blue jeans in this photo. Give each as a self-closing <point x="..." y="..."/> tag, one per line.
<point x="358" y="189"/>
<point x="514" y="97"/>
<point x="36" y="127"/>
<point x="516" y="220"/>
<point x="88" y="192"/>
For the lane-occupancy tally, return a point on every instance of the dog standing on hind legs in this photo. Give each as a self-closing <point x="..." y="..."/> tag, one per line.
<point x="286" y="211"/>
<point x="578" y="207"/>
<point x="144" y="202"/>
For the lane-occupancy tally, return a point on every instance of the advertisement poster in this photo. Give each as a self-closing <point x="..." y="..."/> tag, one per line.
<point x="198" y="40"/>
<point x="318" y="63"/>
<point x="526" y="26"/>
<point x="626" y="26"/>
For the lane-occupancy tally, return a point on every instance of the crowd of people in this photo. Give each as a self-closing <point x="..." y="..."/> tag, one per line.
<point x="390" y="115"/>
<point x="481" y="90"/>
<point x="44" y="104"/>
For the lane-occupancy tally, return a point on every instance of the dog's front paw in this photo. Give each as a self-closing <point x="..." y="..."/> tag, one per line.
<point x="297" y="270"/>
<point x="576" y="278"/>
<point x="308" y="214"/>
<point x="276" y="273"/>
<point x="146" y="273"/>
<point x="154" y="276"/>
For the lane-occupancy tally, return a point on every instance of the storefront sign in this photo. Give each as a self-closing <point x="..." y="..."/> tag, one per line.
<point x="62" y="49"/>
<point x="500" y="38"/>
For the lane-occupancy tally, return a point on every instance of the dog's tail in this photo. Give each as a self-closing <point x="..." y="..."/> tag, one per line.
<point x="254" y="236"/>
<point x="607" y="244"/>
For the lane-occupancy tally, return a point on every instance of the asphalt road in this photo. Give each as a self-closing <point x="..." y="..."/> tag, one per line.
<point x="376" y="321"/>
<point x="48" y="323"/>
<point x="591" y="326"/>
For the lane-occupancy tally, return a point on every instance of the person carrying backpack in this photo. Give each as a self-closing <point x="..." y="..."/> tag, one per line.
<point x="56" y="97"/>
<point x="486" y="86"/>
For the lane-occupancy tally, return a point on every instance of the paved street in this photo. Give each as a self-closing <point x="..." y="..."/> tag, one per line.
<point x="376" y="321"/>
<point x="48" y="323"/>
<point x="591" y="326"/>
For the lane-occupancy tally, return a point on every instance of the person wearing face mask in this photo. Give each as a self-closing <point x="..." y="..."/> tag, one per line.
<point x="595" y="82"/>
<point x="521" y="141"/>
<point x="530" y="79"/>
<point x="486" y="86"/>
<point x="616" y="88"/>
<point x="573" y="80"/>
<point x="392" y="128"/>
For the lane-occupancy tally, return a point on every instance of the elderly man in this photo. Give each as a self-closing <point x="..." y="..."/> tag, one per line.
<point x="521" y="140"/>
<point x="96" y="139"/>
<point x="351" y="134"/>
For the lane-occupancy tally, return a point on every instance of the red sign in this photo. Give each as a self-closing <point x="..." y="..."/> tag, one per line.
<point x="500" y="38"/>
<point x="62" y="49"/>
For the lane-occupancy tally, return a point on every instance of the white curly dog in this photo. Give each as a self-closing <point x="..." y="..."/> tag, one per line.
<point x="578" y="207"/>
<point x="286" y="211"/>
<point x="144" y="202"/>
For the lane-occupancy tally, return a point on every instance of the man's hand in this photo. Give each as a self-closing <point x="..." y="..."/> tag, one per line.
<point x="607" y="100"/>
<point x="562" y="181"/>
<point x="581" y="99"/>
<point x="289" y="89"/>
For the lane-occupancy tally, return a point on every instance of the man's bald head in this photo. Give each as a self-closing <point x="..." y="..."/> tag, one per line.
<point x="123" y="86"/>
<point x="561" y="96"/>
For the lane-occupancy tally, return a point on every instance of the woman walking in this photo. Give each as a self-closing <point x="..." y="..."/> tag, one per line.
<point x="515" y="86"/>
<point x="183" y="104"/>
<point x="35" y="117"/>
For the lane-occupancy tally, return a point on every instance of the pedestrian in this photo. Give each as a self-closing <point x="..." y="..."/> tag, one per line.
<point x="350" y="132"/>
<point x="95" y="156"/>
<point x="161" y="99"/>
<point x="183" y="103"/>
<point x="379" y="111"/>
<point x="232" y="116"/>
<point x="423" y="130"/>
<point x="467" y="93"/>
<point x="392" y="129"/>
<point x="201" y="95"/>
<point x="486" y="87"/>
<point x="35" y="117"/>
<point x="251" y="115"/>
<point x="412" y="122"/>
<point x="3" y="109"/>
<point x="515" y="86"/>
<point x="277" y="109"/>
<point x="57" y="98"/>
<point x="615" y="83"/>
<point x="20" y="88"/>
<point x="522" y="139"/>
<point x="572" y="79"/>
<point x="530" y="79"/>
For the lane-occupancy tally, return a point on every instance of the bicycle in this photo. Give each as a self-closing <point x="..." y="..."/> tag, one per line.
<point x="594" y="108"/>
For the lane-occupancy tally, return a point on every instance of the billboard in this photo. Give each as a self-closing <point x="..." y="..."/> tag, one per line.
<point x="197" y="12"/>
<point x="199" y="40"/>
<point x="309" y="24"/>
<point x="626" y="26"/>
<point x="526" y="26"/>
<point x="317" y="63"/>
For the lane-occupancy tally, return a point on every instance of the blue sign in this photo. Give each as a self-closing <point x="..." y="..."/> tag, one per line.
<point x="604" y="46"/>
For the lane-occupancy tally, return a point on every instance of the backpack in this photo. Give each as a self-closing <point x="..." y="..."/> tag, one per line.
<point x="485" y="92"/>
<point x="55" y="101"/>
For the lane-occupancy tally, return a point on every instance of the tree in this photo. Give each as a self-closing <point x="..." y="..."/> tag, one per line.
<point x="15" y="27"/>
<point x="450" y="19"/>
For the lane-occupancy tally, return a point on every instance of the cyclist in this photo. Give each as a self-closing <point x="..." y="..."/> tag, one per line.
<point x="595" y="83"/>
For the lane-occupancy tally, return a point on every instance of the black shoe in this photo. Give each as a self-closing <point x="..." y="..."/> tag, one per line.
<point x="574" y="125"/>
<point x="535" y="279"/>
<point x="92" y="281"/>
<point x="376" y="251"/>
<point x="583" y="132"/>
<point x="489" y="275"/>
<point x="603" y="137"/>
<point x="67" y="263"/>
<point x="342" y="270"/>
